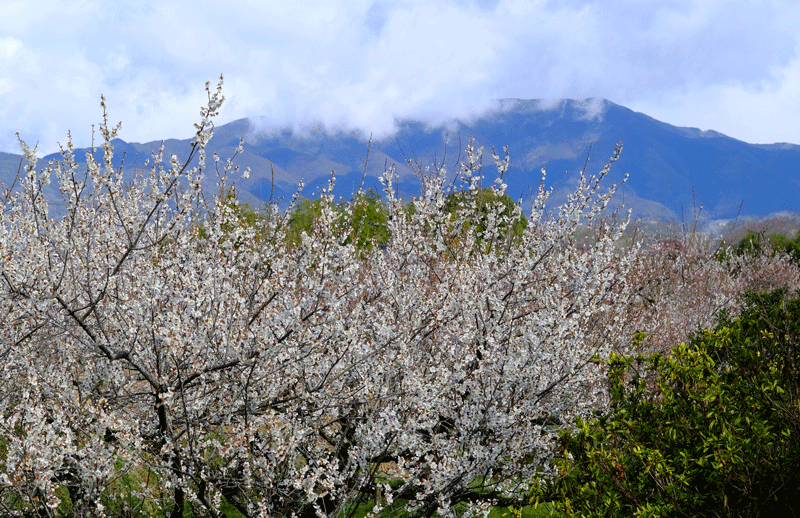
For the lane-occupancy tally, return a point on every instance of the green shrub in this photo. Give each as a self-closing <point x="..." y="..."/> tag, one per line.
<point x="302" y="219"/>
<point x="710" y="430"/>
<point x="366" y="221"/>
<point x="791" y="247"/>
<point x="362" y="220"/>
<point x="751" y="244"/>
<point x="479" y="205"/>
<point x="755" y="244"/>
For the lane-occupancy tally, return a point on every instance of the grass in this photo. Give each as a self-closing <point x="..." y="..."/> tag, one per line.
<point x="543" y="510"/>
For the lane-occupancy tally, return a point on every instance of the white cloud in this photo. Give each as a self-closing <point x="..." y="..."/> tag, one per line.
<point x="9" y="48"/>
<point x="362" y="64"/>
<point x="762" y="112"/>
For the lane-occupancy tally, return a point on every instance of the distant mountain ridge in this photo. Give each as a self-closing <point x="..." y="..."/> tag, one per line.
<point x="672" y="169"/>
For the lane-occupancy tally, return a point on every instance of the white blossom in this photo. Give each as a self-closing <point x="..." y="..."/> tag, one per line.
<point x="151" y="330"/>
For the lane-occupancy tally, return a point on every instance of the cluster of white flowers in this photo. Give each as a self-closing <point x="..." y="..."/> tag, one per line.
<point x="151" y="332"/>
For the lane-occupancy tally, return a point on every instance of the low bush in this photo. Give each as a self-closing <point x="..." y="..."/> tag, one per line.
<point x="710" y="430"/>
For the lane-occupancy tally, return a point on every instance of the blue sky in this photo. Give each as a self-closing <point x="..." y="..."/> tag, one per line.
<point x="725" y="65"/>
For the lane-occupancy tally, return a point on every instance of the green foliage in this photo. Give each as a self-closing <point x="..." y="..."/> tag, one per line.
<point x="754" y="244"/>
<point x="245" y="217"/>
<point x="543" y="510"/>
<point x="302" y="219"/>
<point x="750" y="244"/>
<point x="367" y="221"/>
<point x="362" y="220"/>
<point x="710" y="430"/>
<point x="229" y="510"/>
<point x="476" y="207"/>
<point x="789" y="246"/>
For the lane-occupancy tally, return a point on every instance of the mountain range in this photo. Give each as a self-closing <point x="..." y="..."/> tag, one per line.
<point x="671" y="169"/>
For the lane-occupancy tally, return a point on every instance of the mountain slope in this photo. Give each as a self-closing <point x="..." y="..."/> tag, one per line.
<point x="671" y="168"/>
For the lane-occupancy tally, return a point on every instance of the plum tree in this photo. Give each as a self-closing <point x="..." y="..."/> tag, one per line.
<point x="163" y="356"/>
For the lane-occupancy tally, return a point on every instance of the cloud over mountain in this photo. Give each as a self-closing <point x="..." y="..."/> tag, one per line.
<point x="365" y="65"/>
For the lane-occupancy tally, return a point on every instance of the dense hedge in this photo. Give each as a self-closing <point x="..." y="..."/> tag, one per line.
<point x="711" y="429"/>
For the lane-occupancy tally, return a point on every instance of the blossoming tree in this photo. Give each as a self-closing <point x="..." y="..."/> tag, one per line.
<point x="160" y="355"/>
